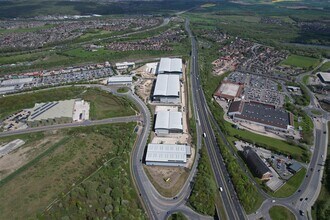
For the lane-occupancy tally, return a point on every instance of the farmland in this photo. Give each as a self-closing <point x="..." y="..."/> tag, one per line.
<point x="301" y="61"/>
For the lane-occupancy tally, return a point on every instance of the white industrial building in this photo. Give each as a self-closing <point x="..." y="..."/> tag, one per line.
<point x="125" y="65"/>
<point x="120" y="80"/>
<point x="324" y="76"/>
<point x="168" y="122"/>
<point x="7" y="89"/>
<point x="170" y="66"/>
<point x="167" y="154"/>
<point x="17" y="82"/>
<point x="167" y="89"/>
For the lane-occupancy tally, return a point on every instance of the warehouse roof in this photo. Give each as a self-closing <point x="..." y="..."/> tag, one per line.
<point x="170" y="65"/>
<point x="168" y="120"/>
<point x="229" y="90"/>
<point x="117" y="79"/>
<point x="265" y="114"/>
<point x="50" y="110"/>
<point x="167" y="153"/>
<point x="325" y="77"/>
<point x="19" y="81"/>
<point x="167" y="85"/>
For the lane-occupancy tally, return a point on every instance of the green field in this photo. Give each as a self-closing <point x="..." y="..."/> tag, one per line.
<point x="103" y="104"/>
<point x="325" y="67"/>
<point x="292" y="185"/>
<point x="280" y="213"/>
<point x="73" y="155"/>
<point x="301" y="61"/>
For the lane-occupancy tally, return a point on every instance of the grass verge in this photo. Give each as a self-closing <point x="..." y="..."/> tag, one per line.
<point x="291" y="185"/>
<point x="280" y="213"/>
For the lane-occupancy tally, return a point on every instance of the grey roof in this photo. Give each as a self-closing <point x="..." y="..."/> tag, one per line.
<point x="170" y="65"/>
<point x="19" y="81"/>
<point x="254" y="162"/>
<point x="168" y="120"/>
<point x="167" y="85"/>
<point x="166" y="153"/>
<point x="295" y="166"/>
<point x="118" y="79"/>
<point x="7" y="89"/>
<point x="265" y="114"/>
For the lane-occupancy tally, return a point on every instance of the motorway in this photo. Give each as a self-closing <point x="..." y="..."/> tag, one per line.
<point x="231" y="204"/>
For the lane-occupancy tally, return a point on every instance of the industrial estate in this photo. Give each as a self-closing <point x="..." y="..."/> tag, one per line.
<point x="132" y="112"/>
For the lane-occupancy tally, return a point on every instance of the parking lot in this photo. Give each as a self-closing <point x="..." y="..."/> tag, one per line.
<point x="59" y="77"/>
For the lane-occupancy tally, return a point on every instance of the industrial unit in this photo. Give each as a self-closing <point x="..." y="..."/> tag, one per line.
<point x="120" y="80"/>
<point x="228" y="91"/>
<point x="263" y="114"/>
<point x="170" y="66"/>
<point x="7" y="89"/>
<point x="256" y="165"/>
<point x="16" y="82"/>
<point x="167" y="154"/>
<point x="324" y="77"/>
<point x="168" y="122"/>
<point x="125" y="65"/>
<point x="167" y="89"/>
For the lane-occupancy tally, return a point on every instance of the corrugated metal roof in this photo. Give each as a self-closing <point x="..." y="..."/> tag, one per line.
<point x="170" y="65"/>
<point x="18" y="81"/>
<point x="120" y="79"/>
<point x="325" y="76"/>
<point x="167" y="85"/>
<point x="7" y="89"/>
<point x="166" y="153"/>
<point x="168" y="120"/>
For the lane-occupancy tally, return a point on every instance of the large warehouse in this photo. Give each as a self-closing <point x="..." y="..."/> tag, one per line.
<point x="167" y="154"/>
<point x="168" y="122"/>
<point x="170" y="66"/>
<point x="263" y="114"/>
<point x="324" y="77"/>
<point x="167" y="89"/>
<point x="228" y="90"/>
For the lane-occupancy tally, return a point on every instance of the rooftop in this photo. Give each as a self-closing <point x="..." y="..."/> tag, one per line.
<point x="170" y="65"/>
<point x="120" y="79"/>
<point x="19" y="81"/>
<point x="229" y="90"/>
<point x="167" y="85"/>
<point x="264" y="114"/>
<point x="325" y="76"/>
<point x="168" y="120"/>
<point x="255" y="161"/>
<point x="167" y="153"/>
